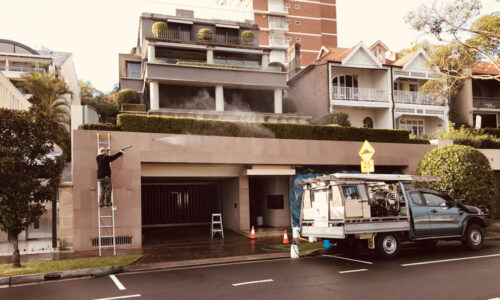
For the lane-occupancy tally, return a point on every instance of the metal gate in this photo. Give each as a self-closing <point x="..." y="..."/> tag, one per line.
<point x="176" y="204"/>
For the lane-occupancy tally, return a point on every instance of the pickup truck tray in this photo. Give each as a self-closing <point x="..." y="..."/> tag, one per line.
<point x="340" y="231"/>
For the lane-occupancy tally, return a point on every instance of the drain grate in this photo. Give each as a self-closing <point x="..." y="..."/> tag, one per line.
<point x="108" y="241"/>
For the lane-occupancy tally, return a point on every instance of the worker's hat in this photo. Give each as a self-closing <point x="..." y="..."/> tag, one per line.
<point x="102" y="150"/>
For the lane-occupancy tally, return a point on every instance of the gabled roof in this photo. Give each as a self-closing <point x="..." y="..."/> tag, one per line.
<point x="333" y="54"/>
<point x="379" y="42"/>
<point x="343" y="55"/>
<point x="482" y="67"/>
<point x="407" y="59"/>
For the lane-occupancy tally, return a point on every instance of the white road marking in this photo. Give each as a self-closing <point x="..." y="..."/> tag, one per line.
<point x="120" y="297"/>
<point x="117" y="282"/>
<point x="345" y="258"/>
<point x="252" y="282"/>
<point x="447" y="260"/>
<point x="352" y="271"/>
<point x="494" y="298"/>
<point x="4" y="286"/>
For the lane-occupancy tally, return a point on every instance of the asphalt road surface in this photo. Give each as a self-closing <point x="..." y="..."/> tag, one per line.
<point x="446" y="272"/>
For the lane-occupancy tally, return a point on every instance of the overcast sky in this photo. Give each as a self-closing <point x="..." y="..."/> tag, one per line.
<point x="95" y="31"/>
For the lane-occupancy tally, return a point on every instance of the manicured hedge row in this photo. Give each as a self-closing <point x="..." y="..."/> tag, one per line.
<point x="133" y="107"/>
<point x="479" y="143"/>
<point x="100" y="126"/>
<point x="159" y="124"/>
<point x="492" y="131"/>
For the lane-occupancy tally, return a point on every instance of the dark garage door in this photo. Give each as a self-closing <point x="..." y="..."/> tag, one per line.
<point x="177" y="204"/>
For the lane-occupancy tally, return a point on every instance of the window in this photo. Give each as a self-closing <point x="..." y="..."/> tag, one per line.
<point x="275" y="202"/>
<point x="367" y="122"/>
<point x="345" y="81"/>
<point x="133" y="70"/>
<point x="350" y="192"/>
<point x="434" y="200"/>
<point x="288" y="38"/>
<point x="297" y="6"/>
<point x="416" y="198"/>
<point x="416" y="127"/>
<point x="287" y="5"/>
<point x="288" y="21"/>
<point x="298" y="39"/>
<point x="297" y="22"/>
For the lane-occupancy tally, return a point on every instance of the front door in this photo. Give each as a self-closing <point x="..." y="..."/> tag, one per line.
<point x="444" y="220"/>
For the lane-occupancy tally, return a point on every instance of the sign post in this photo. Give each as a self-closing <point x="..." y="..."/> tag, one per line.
<point x="366" y="153"/>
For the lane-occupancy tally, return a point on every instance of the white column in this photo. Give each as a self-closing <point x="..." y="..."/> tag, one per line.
<point x="210" y="56"/>
<point x="219" y="97"/>
<point x="151" y="53"/>
<point x="265" y="60"/>
<point x="6" y="64"/>
<point x="278" y="101"/>
<point x="154" y="95"/>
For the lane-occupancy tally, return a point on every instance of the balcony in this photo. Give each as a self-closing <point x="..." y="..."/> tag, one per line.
<point x="486" y="102"/>
<point x="279" y="9"/>
<point x="221" y="39"/>
<point x="359" y="94"/>
<point x="278" y="25"/>
<point x="21" y="69"/>
<point x="278" y="41"/>
<point x="408" y="97"/>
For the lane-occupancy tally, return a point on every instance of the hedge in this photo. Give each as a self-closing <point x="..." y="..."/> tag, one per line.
<point x="205" y="34"/>
<point x="133" y="107"/>
<point x="492" y="131"/>
<point x="128" y="96"/>
<point x="100" y="126"/>
<point x="160" y="124"/>
<point x="159" y="29"/>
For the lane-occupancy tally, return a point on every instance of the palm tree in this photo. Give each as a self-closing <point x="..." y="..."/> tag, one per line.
<point x="47" y="95"/>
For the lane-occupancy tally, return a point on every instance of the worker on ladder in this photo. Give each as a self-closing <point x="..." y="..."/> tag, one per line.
<point x="104" y="174"/>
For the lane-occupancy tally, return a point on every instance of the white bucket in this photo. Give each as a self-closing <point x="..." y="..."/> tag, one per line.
<point x="312" y="239"/>
<point x="295" y="232"/>
<point x="294" y="251"/>
<point x="260" y="221"/>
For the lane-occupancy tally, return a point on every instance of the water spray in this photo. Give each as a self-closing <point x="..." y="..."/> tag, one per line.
<point x="172" y="140"/>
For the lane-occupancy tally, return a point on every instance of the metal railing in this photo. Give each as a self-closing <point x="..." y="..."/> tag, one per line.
<point x="22" y="69"/>
<point x="359" y="94"/>
<point x="486" y="102"/>
<point x="223" y="39"/>
<point x="279" y="8"/>
<point x="277" y="41"/>
<point x="410" y="97"/>
<point x="278" y="25"/>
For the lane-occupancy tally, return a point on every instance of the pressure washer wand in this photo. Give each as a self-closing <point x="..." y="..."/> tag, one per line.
<point x="127" y="147"/>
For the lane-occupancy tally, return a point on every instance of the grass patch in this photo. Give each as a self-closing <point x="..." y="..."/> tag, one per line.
<point x="302" y="246"/>
<point x="66" y="264"/>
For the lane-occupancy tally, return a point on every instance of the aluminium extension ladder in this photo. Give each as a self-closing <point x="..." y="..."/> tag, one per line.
<point x="106" y="221"/>
<point x="217" y="225"/>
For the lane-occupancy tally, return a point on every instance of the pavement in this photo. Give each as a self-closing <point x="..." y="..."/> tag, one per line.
<point x="180" y="251"/>
<point x="446" y="272"/>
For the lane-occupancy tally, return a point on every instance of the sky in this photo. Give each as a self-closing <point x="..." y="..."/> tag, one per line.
<point x="95" y="31"/>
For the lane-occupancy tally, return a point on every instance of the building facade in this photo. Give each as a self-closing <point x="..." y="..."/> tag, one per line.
<point x="375" y="92"/>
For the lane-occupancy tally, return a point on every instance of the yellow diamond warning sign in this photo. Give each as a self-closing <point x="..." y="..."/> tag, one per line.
<point x="366" y="152"/>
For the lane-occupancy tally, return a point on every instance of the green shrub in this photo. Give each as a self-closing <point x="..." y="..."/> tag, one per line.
<point x="128" y="96"/>
<point x="467" y="175"/>
<point x="133" y="107"/>
<point x="247" y="37"/>
<point x="491" y="131"/>
<point x="478" y="138"/>
<point x="133" y="50"/>
<point x="339" y="118"/>
<point x="160" y="30"/>
<point x="278" y="65"/>
<point x="417" y="139"/>
<point x="100" y="126"/>
<point x="205" y="34"/>
<point x="160" y="124"/>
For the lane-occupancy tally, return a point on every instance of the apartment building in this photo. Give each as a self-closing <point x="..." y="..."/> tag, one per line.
<point x="205" y="69"/>
<point x="375" y="92"/>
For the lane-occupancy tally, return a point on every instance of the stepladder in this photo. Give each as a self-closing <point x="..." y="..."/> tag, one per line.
<point x="105" y="214"/>
<point x="216" y="225"/>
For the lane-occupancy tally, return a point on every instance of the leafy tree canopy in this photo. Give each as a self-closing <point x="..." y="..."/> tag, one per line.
<point x="104" y="104"/>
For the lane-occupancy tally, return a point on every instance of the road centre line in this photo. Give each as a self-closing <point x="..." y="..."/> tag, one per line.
<point x="447" y="260"/>
<point x="350" y="259"/>
<point x="352" y="271"/>
<point x="252" y="282"/>
<point x="120" y="297"/>
<point x="117" y="282"/>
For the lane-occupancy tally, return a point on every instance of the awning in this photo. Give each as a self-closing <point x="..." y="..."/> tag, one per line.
<point x="263" y="170"/>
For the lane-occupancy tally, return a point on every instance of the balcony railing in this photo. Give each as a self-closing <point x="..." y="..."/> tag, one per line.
<point x="359" y="94"/>
<point x="278" y="41"/>
<point x="486" y="102"/>
<point x="409" y="97"/>
<point x="278" y="8"/>
<point x="22" y="69"/>
<point x="278" y="25"/>
<point x="223" y="39"/>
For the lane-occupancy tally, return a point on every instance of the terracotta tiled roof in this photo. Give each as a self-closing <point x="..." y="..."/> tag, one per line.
<point x="335" y="54"/>
<point x="482" y="67"/>
<point x="403" y="60"/>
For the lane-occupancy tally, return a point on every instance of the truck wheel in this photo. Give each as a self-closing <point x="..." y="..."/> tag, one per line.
<point x="388" y="244"/>
<point x="474" y="237"/>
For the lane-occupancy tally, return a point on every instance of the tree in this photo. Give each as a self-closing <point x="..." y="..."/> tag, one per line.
<point x="466" y="39"/>
<point x="128" y="96"/>
<point x="467" y="174"/>
<point x="48" y="93"/>
<point x="29" y="176"/>
<point x="104" y="104"/>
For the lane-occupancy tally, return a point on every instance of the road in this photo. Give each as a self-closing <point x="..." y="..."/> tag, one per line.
<point x="446" y="272"/>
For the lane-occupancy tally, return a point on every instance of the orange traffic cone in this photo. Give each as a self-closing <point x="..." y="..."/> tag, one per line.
<point x="252" y="234"/>
<point x="285" y="238"/>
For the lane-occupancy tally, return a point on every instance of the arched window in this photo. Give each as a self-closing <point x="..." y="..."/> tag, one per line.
<point x="367" y="122"/>
<point x="345" y="81"/>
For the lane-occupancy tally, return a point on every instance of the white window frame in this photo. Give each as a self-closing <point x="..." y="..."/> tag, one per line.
<point x="409" y="127"/>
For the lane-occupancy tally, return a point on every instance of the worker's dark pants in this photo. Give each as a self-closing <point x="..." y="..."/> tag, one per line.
<point x="106" y="189"/>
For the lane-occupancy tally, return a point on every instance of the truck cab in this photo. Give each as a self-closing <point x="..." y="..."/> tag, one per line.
<point x="383" y="210"/>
